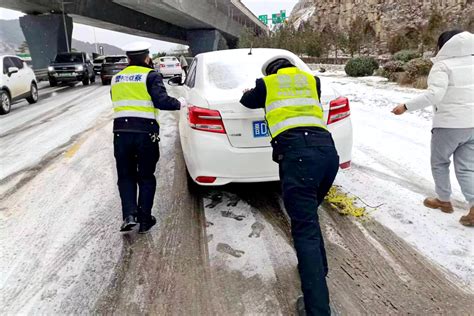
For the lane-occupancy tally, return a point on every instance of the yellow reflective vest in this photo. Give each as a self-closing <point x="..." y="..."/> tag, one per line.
<point x="130" y="97"/>
<point x="292" y="101"/>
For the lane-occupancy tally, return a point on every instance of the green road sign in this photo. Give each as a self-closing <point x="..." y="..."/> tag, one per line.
<point x="276" y="18"/>
<point x="283" y="14"/>
<point x="263" y="18"/>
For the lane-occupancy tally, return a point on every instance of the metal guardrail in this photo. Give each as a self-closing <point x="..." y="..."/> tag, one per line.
<point x="41" y="74"/>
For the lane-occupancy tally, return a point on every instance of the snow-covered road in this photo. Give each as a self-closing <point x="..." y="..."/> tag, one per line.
<point x="219" y="251"/>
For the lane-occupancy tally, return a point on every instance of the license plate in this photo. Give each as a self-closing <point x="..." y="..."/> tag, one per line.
<point x="260" y="129"/>
<point x="66" y="74"/>
<point x="170" y="66"/>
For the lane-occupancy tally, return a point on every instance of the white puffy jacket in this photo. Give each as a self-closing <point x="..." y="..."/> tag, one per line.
<point x="451" y="85"/>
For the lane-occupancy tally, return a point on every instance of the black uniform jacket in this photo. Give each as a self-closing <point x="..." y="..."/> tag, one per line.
<point x="161" y="100"/>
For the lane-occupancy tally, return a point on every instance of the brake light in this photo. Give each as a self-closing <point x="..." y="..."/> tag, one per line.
<point x="204" y="179"/>
<point x="205" y="120"/>
<point x="162" y="65"/>
<point x="345" y="165"/>
<point x="177" y="65"/>
<point x="338" y="110"/>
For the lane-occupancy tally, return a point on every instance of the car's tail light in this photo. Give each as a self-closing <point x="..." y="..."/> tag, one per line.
<point x="205" y="120"/>
<point x="204" y="179"/>
<point x="345" y="165"/>
<point x="177" y="65"/>
<point x="162" y="65"/>
<point x="338" y="110"/>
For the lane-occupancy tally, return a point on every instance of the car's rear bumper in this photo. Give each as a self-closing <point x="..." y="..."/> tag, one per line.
<point x="342" y="134"/>
<point x="170" y="72"/>
<point x="211" y="155"/>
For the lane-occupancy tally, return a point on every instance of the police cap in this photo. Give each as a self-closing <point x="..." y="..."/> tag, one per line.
<point x="137" y="48"/>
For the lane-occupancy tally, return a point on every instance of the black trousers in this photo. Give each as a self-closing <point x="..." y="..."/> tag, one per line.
<point x="136" y="155"/>
<point x="308" y="164"/>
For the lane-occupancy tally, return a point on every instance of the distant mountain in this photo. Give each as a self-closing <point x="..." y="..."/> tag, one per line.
<point x="11" y="37"/>
<point x="90" y="47"/>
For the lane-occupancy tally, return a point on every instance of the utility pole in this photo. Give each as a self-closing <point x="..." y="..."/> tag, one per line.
<point x="65" y="27"/>
<point x="95" y="41"/>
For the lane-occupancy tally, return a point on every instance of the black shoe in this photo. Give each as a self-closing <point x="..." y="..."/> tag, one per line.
<point x="300" y="309"/>
<point x="145" y="227"/>
<point x="128" y="224"/>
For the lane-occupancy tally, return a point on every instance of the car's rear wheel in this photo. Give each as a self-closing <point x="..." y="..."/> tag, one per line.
<point x="93" y="78"/>
<point x="33" y="98"/>
<point x="5" y="102"/>
<point x="85" y="79"/>
<point x="53" y="82"/>
<point x="105" y="82"/>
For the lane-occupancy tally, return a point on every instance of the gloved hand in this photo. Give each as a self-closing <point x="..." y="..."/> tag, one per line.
<point x="183" y="102"/>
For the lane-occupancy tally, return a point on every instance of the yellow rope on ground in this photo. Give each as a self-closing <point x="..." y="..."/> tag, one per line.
<point x="344" y="203"/>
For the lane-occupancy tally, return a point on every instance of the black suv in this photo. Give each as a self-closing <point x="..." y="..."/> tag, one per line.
<point x="71" y="67"/>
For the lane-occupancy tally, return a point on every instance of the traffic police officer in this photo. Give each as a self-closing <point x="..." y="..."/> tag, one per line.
<point x="138" y="93"/>
<point x="308" y="164"/>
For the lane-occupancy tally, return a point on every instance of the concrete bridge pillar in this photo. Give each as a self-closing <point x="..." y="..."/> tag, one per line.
<point x="46" y="37"/>
<point x="202" y="41"/>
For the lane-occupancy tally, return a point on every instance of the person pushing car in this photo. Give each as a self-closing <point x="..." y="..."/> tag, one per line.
<point x="138" y="93"/>
<point x="308" y="163"/>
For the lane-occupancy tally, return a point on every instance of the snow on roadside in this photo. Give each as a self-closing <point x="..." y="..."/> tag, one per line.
<point x="391" y="165"/>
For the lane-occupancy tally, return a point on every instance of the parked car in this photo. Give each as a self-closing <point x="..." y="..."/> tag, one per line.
<point x="97" y="64"/>
<point x="222" y="140"/>
<point x="111" y="66"/>
<point x="17" y="81"/>
<point x="169" y="66"/>
<point x="71" y="67"/>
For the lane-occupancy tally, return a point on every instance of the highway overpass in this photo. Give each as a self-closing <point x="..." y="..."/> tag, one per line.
<point x="204" y="25"/>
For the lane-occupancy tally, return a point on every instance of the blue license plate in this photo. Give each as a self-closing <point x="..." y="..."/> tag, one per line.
<point x="260" y="129"/>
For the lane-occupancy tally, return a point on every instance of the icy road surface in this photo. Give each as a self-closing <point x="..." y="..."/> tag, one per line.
<point x="224" y="251"/>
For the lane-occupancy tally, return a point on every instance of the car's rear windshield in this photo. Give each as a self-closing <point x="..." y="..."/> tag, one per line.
<point x="239" y="72"/>
<point x="98" y="60"/>
<point x="227" y="75"/>
<point x="168" y="59"/>
<point x="116" y="59"/>
<point x="69" y="58"/>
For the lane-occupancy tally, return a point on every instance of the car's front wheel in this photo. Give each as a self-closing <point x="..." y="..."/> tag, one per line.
<point x="5" y="102"/>
<point x="85" y="79"/>
<point x="33" y="98"/>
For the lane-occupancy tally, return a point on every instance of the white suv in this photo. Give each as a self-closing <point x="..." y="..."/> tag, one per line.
<point x="17" y="81"/>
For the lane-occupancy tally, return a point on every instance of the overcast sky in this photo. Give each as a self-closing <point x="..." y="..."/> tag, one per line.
<point x="86" y="33"/>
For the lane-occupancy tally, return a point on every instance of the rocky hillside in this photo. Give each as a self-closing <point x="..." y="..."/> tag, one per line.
<point x="11" y="37"/>
<point x="383" y="18"/>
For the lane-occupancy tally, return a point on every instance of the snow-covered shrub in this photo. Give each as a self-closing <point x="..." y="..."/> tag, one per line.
<point x="418" y="67"/>
<point x="392" y="70"/>
<point x="361" y="66"/>
<point x="393" y="66"/>
<point x="406" y="55"/>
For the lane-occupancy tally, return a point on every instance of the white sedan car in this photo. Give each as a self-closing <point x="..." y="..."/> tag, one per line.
<point x="169" y="66"/>
<point x="225" y="142"/>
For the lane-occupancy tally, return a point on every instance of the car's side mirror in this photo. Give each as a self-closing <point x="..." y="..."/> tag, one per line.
<point x="176" y="81"/>
<point x="12" y="70"/>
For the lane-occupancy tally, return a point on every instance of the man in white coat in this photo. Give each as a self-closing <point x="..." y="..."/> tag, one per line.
<point x="451" y="93"/>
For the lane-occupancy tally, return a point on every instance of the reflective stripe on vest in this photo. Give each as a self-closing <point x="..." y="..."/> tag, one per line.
<point x="130" y="97"/>
<point x="292" y="101"/>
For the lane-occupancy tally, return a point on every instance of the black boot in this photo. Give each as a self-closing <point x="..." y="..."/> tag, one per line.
<point x="300" y="309"/>
<point x="145" y="227"/>
<point x="128" y="224"/>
